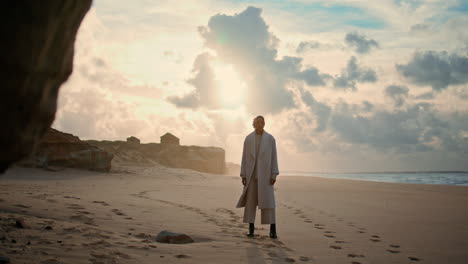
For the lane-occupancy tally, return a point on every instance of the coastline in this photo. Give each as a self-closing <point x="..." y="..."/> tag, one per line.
<point x="394" y="177"/>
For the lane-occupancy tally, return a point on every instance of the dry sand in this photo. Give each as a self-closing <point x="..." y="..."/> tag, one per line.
<point x="114" y="218"/>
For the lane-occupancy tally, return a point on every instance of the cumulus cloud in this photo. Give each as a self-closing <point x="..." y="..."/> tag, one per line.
<point x="321" y="111"/>
<point x="352" y="74"/>
<point x="244" y="41"/>
<point x="416" y="128"/>
<point x="305" y="46"/>
<point x="204" y="81"/>
<point x="436" y="69"/>
<point x="360" y="43"/>
<point x="425" y="96"/>
<point x="397" y="93"/>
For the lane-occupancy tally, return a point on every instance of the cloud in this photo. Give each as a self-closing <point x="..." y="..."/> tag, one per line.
<point x="321" y="111"/>
<point x="436" y="69"/>
<point x="425" y="96"/>
<point x="421" y="29"/>
<point x="244" y="41"/>
<point x="397" y="93"/>
<point x="416" y="128"/>
<point x="353" y="74"/>
<point x="313" y="77"/>
<point x="360" y="43"/>
<point x="204" y="81"/>
<point x="305" y="46"/>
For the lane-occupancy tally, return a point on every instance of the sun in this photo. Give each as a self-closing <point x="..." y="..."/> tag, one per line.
<point x="231" y="87"/>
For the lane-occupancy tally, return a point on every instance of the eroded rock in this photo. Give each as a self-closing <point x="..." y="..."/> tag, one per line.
<point x="37" y="57"/>
<point x="66" y="150"/>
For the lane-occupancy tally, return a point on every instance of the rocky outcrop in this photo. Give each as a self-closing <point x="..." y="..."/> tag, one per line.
<point x="37" y="57"/>
<point x="203" y="159"/>
<point x="66" y="150"/>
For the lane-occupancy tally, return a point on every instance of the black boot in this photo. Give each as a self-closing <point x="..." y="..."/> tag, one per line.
<point x="273" y="231"/>
<point x="251" y="230"/>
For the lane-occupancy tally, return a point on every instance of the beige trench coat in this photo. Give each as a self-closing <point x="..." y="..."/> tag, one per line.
<point x="267" y="168"/>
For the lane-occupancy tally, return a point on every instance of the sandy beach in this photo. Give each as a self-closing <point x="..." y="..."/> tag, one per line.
<point x="75" y="216"/>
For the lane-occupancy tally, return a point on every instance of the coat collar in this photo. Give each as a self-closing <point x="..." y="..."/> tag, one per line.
<point x="262" y="143"/>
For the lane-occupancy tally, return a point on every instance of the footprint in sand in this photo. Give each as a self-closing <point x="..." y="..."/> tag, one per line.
<point x="340" y="242"/>
<point x="100" y="243"/>
<point x="374" y="240"/>
<point x="269" y="246"/>
<point x="102" y="258"/>
<point x="83" y="219"/>
<point x="182" y="256"/>
<point x="71" y="197"/>
<point x="330" y="236"/>
<point x="393" y="251"/>
<point x="414" y="259"/>
<point x="304" y="258"/>
<point x="101" y="202"/>
<point x="117" y="212"/>
<point x="335" y="247"/>
<point x="75" y="207"/>
<point x="308" y="221"/>
<point x="394" y="246"/>
<point x="289" y="260"/>
<point x="120" y="254"/>
<point x="22" y="206"/>
<point x="353" y="255"/>
<point x="50" y="261"/>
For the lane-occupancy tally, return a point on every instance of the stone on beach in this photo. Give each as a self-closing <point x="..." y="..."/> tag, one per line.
<point x="173" y="238"/>
<point x="20" y="223"/>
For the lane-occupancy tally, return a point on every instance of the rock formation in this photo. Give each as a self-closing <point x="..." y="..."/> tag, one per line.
<point x="37" y="57"/>
<point x="203" y="159"/>
<point x="66" y="150"/>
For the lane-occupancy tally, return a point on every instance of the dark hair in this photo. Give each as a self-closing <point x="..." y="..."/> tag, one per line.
<point x="260" y="117"/>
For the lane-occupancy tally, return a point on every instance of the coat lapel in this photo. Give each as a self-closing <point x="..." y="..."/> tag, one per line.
<point x="263" y="142"/>
<point x="253" y="145"/>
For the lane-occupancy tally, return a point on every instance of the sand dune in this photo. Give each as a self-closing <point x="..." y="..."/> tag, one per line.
<point x="74" y="216"/>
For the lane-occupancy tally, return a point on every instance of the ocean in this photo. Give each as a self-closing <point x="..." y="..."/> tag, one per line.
<point x="446" y="178"/>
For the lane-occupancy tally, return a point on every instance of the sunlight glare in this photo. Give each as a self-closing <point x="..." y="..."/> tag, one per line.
<point x="231" y="87"/>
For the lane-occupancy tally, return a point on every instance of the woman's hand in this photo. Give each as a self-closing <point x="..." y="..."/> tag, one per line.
<point x="272" y="181"/>
<point x="244" y="181"/>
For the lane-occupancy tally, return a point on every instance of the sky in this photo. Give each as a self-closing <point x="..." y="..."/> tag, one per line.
<point x="344" y="85"/>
